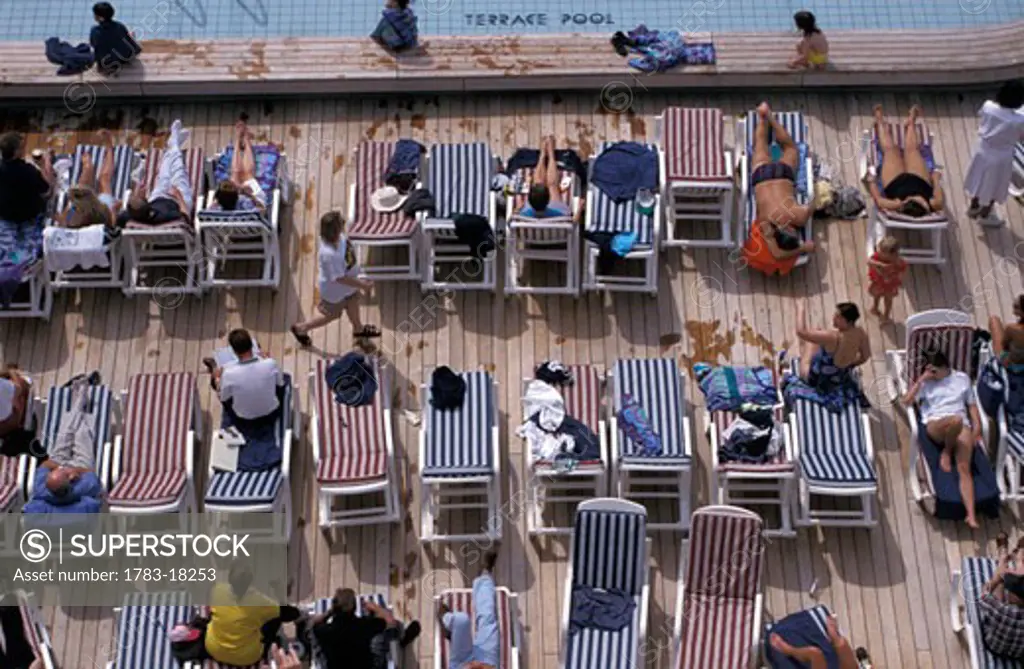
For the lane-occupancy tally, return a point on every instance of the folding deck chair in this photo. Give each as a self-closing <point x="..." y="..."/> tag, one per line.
<point x="603" y="214"/>
<point x="245" y="235"/>
<point x="353" y="453"/>
<point x="459" y="177"/>
<point x="720" y="598"/>
<point x="371" y="230"/>
<point x="14" y="472"/>
<point x="610" y="550"/>
<point x="168" y="245"/>
<point x="967" y="585"/>
<point x="507" y="606"/>
<point x="1010" y="452"/>
<point x="264" y="491"/>
<point x="35" y="631"/>
<point x="698" y="184"/>
<point x="656" y="385"/>
<point x="150" y="465"/>
<point x="796" y="126"/>
<point x="800" y="629"/>
<point x="837" y="461"/>
<point x="1017" y="180"/>
<point x="21" y="254"/>
<point x="460" y="460"/>
<point x="951" y="332"/>
<point x="546" y="484"/>
<point x="112" y="275"/>
<point x="322" y="605"/>
<point x="883" y="223"/>
<point x="143" y="622"/>
<point x="554" y="240"/>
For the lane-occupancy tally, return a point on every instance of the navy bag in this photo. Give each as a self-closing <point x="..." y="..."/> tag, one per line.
<point x="991" y="387"/>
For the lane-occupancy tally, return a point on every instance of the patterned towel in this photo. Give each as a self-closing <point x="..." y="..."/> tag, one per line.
<point x="267" y="158"/>
<point x="21" y="246"/>
<point x="729" y="388"/>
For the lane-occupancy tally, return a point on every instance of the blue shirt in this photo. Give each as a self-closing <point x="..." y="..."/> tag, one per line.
<point x="553" y="210"/>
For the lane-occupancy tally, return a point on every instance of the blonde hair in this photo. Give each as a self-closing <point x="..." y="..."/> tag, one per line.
<point x="86" y="208"/>
<point x="332" y="225"/>
<point x="888" y="245"/>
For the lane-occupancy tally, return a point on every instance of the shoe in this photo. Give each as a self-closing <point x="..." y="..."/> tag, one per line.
<point x="95" y="379"/>
<point x="972" y="211"/>
<point x="619" y="43"/>
<point x="304" y="339"/>
<point x="410" y="634"/>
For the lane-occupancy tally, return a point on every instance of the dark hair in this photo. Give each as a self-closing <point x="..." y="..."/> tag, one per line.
<point x="402" y="4"/>
<point x="1020" y="305"/>
<point x="849" y="312"/>
<point x="539" y="197"/>
<point x="1011" y="94"/>
<point x="103" y="10"/>
<point x="240" y="341"/>
<point x="10" y="142"/>
<point x="936" y="359"/>
<point x="344" y="601"/>
<point x="806" y="22"/>
<point x="239" y="578"/>
<point x="914" y="208"/>
<point x="139" y="213"/>
<point x="227" y="195"/>
<point x="331" y="225"/>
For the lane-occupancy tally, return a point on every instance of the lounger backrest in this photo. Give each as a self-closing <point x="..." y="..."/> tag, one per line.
<point x="194" y="159"/>
<point x="583" y="397"/>
<point x="28" y="619"/>
<point x="609" y="550"/>
<point x="460" y="178"/>
<point x="157" y="419"/>
<point x="372" y="160"/>
<point x="463" y="427"/>
<point x="142" y="629"/>
<point x="462" y="600"/>
<point x="8" y="472"/>
<point x="58" y="402"/>
<point x="694" y="145"/>
<point x="352" y="440"/>
<point x="726" y="555"/>
<point x="123" y="159"/>
<point x="956" y="341"/>
<point x="654" y="383"/>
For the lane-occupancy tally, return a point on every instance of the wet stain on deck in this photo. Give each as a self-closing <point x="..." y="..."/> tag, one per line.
<point x="708" y="343"/>
<point x="310" y="200"/>
<point x="339" y="162"/>
<point x="294" y="131"/>
<point x="371" y="132"/>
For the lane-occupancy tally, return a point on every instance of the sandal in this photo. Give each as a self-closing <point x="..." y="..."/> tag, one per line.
<point x="304" y="339"/>
<point x="367" y="332"/>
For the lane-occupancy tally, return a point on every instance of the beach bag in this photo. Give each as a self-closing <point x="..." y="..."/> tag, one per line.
<point x="847" y="203"/>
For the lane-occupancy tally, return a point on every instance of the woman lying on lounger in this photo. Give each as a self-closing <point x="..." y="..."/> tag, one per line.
<point x="241" y="190"/>
<point x="814" y="657"/>
<point x="907" y="185"/>
<point x="86" y="206"/>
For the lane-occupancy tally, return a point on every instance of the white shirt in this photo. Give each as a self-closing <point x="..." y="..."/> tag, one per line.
<point x="7" y="391"/>
<point x="1000" y="128"/>
<point x="252" y="386"/>
<point x="946" y="397"/>
<point x="333" y="266"/>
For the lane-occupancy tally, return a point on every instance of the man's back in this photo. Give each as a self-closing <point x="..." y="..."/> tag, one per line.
<point x="252" y="385"/>
<point x="22" y="187"/>
<point x="345" y="640"/>
<point x="776" y="201"/>
<point x="113" y="45"/>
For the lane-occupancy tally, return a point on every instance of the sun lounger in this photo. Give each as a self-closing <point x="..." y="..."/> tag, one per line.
<point x="882" y="223"/>
<point x="21" y="260"/>
<point x="656" y="384"/>
<point x="800" y="629"/>
<point x="460" y="461"/>
<point x="546" y="484"/>
<point x="459" y="177"/>
<point x="263" y="491"/>
<point x="604" y="529"/>
<point x="143" y="622"/>
<point x="720" y="599"/>
<point x="245" y="235"/>
<point x="14" y="471"/>
<point x="353" y="454"/>
<point x="1017" y="180"/>
<point x="966" y="587"/>
<point x="951" y="332"/>
<point x="698" y="183"/>
<point x="322" y="605"/>
<point x="461" y="600"/>
<point x="604" y="215"/>
<point x="1010" y="452"/>
<point x="35" y="631"/>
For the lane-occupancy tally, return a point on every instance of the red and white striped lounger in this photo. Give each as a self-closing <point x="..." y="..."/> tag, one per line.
<point x="167" y="245"/>
<point x="698" y="177"/>
<point x="720" y="600"/>
<point x="583" y="401"/>
<point x="369" y="229"/>
<point x="35" y="632"/>
<point x="151" y="464"/>
<point x="508" y="624"/>
<point x="354" y="454"/>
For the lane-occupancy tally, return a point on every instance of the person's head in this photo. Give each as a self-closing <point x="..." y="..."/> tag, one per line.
<point x="87" y="208"/>
<point x="344" y="601"/>
<point x="846" y="316"/>
<point x="806" y="23"/>
<point x="936" y="362"/>
<point x="1018" y="307"/>
<point x="227" y="195"/>
<point x="240" y="342"/>
<point x="331" y="227"/>
<point x="138" y="207"/>
<point x="889" y="246"/>
<point x="539" y="197"/>
<point x="58" y="481"/>
<point x="240" y="578"/>
<point x="1011" y="95"/>
<point x="103" y="12"/>
<point x="915" y="206"/>
<point x="1013" y="584"/>
<point x="11" y="146"/>
<point x="398" y="4"/>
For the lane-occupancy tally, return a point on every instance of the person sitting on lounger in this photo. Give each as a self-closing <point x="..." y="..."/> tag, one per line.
<point x="1008" y="340"/>
<point x="827" y="356"/>
<point x="949" y="411"/>
<point x="814" y="658"/>
<point x="249" y="389"/>
<point x="348" y="641"/>
<point x="907" y="186"/>
<point x="545" y="198"/>
<point x="1001" y="604"/>
<point x="89" y="207"/>
<point x="172" y="196"/>
<point x="466" y="650"/>
<point x="241" y="191"/>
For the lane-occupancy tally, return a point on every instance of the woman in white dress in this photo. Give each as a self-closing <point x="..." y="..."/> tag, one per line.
<point x="1001" y="127"/>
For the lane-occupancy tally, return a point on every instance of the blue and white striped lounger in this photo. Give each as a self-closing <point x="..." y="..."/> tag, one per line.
<point x="124" y="156"/>
<point x="654" y="384"/>
<point x="58" y="401"/>
<point x="459" y="442"/>
<point x="832" y="447"/>
<point x="142" y="627"/>
<point x="615" y="217"/>
<point x="800" y="629"/>
<point x="602" y="531"/>
<point x="460" y="179"/>
<point x="322" y="605"/>
<point x="967" y="587"/>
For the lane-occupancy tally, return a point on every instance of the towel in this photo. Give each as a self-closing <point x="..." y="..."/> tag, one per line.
<point x="65" y="248"/>
<point x="475" y="232"/>
<point x="403" y="169"/>
<point x="595" y="608"/>
<point x="728" y="388"/>
<point x="72" y="59"/>
<point x="625" y="168"/>
<point x="352" y="380"/>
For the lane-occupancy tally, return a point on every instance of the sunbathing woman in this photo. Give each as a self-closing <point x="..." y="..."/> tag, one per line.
<point x="241" y="190"/>
<point x="814" y="658"/>
<point x="86" y="206"/>
<point x="828" y="356"/>
<point x="907" y="185"/>
<point x="1008" y="340"/>
<point x="545" y="199"/>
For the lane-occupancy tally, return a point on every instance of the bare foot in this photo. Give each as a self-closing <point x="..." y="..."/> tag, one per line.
<point x="972" y="522"/>
<point x="879" y="114"/>
<point x="885" y="319"/>
<point x="105" y="137"/>
<point x="946" y="462"/>
<point x="809" y="247"/>
<point x="763" y="110"/>
<point x="874" y="311"/>
<point x="915" y="111"/>
<point x="86" y="161"/>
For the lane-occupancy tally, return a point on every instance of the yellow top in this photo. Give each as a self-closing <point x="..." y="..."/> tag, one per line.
<point x="233" y="635"/>
<point x="817" y="57"/>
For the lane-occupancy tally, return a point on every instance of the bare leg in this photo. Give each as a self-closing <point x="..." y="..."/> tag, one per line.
<point x="995" y="326"/>
<point x="946" y="431"/>
<point x="317" y="321"/>
<point x="887" y="310"/>
<point x="809" y="655"/>
<point x="762" y="150"/>
<point x="964" y="454"/>
<point x="547" y="157"/>
<point x="87" y="177"/>
<point x="237" y="161"/>
<point x="552" y="180"/>
<point x="352" y="309"/>
<point x="874" y="306"/>
<point x="847" y="658"/>
<point x="106" y="176"/>
<point x="912" y="158"/>
<point x="807" y="352"/>
<point x="892" y="157"/>
<point x="790" y="152"/>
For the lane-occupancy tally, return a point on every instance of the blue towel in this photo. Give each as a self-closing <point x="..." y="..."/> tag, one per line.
<point x="261" y="451"/>
<point x="609" y="610"/>
<point x="729" y="388"/>
<point x="949" y="505"/>
<point x="397" y="29"/>
<point x="352" y="379"/>
<point x="404" y="167"/>
<point x="72" y="59"/>
<point x="623" y="169"/>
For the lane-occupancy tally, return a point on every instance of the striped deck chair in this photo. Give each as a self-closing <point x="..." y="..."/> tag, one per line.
<point x="607" y="527"/>
<point x="22" y="257"/>
<point x="1010" y="452"/>
<point x="551" y="240"/>
<point x="656" y="386"/>
<point x="604" y="215"/>
<point x="967" y="585"/>
<point x="698" y="183"/>
<point x="951" y="332"/>
<point x="173" y="245"/>
<point x="368" y="229"/>
<point x="35" y="631"/>
<point x="460" y="460"/>
<point x="353" y="453"/>
<point x="720" y="598"/>
<point x="143" y="622"/>
<point x="264" y="491"/>
<point x="837" y="460"/>
<point x="549" y="485"/>
<point x="507" y="606"/>
<point x="322" y="605"/>
<point x="459" y="177"/>
<point x="800" y="629"/>
<point x="796" y="126"/>
<point x="151" y="463"/>
<point x="111" y="276"/>
<point x="242" y="236"/>
<point x="883" y="222"/>
<point x="1017" y="180"/>
<point x="14" y="473"/>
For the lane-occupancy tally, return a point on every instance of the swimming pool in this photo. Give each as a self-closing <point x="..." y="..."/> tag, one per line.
<point x="208" y="19"/>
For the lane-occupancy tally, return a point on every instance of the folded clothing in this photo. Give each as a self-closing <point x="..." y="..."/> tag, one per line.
<point x="600" y="609"/>
<point x="729" y="388"/>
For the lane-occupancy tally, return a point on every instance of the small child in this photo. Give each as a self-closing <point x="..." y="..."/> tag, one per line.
<point x="885" y="274"/>
<point x="396" y="29"/>
<point x="339" y="283"/>
<point x="812" y="50"/>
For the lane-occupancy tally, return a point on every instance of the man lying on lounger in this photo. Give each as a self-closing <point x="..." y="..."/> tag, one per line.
<point x="172" y="196"/>
<point x="241" y="191"/>
<point x="907" y="185"/>
<point x="814" y="658"/>
<point x="482" y="650"/>
<point x="545" y="198"/>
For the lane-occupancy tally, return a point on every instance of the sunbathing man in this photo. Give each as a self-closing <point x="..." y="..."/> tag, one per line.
<point x="1001" y="603"/>
<point x="907" y="186"/>
<point x="813" y="657"/>
<point x="483" y="650"/>
<point x="171" y="198"/>
<point x="545" y="198"/>
<point x="89" y="207"/>
<point x="827" y="356"/>
<point x="241" y="190"/>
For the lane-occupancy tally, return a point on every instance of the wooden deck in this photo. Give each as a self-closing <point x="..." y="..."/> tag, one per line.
<point x="888" y="586"/>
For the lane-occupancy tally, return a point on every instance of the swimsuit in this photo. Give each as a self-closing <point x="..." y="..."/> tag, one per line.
<point x="817" y="58"/>
<point x="886" y="283"/>
<point x="908" y="185"/>
<point x="772" y="172"/>
<point x="759" y="256"/>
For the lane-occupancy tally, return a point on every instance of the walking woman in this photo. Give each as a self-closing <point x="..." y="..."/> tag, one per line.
<point x="991" y="168"/>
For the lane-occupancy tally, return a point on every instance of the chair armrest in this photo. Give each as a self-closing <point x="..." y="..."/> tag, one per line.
<point x="113" y="458"/>
<point x="563" y="622"/>
<point x="956" y="620"/>
<point x="755" y="641"/>
<point x="26" y="475"/>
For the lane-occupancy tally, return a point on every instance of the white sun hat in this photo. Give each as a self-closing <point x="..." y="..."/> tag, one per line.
<point x="386" y="199"/>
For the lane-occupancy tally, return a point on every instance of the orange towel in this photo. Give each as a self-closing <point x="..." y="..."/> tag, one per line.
<point x="759" y="256"/>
